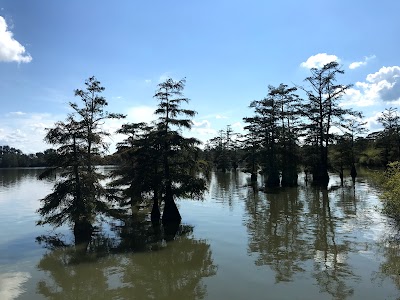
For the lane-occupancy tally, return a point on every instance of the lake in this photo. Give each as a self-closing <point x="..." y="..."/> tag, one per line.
<point x="294" y="243"/>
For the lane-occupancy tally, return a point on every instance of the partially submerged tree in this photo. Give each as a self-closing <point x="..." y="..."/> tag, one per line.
<point x="353" y="127"/>
<point x="276" y="128"/>
<point x="322" y="109"/>
<point x="78" y="196"/>
<point x="139" y="172"/>
<point x="178" y="153"/>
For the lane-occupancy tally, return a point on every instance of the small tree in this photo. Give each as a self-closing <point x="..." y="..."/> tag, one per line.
<point x="353" y="127"/>
<point x="390" y="120"/>
<point x="78" y="196"/>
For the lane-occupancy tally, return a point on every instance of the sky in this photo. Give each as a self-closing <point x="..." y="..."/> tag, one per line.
<point x="229" y="51"/>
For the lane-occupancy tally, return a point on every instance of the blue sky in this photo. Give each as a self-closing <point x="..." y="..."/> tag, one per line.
<point x="229" y="52"/>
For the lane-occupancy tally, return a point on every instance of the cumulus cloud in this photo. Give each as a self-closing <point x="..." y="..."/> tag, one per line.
<point x="26" y="131"/>
<point x="203" y="128"/>
<point x="357" y="64"/>
<point x="372" y="123"/>
<point x="10" y="49"/>
<point x="319" y="60"/>
<point x="140" y="114"/>
<point x="380" y="87"/>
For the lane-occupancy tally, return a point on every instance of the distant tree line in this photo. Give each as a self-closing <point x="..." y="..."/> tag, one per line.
<point x="14" y="158"/>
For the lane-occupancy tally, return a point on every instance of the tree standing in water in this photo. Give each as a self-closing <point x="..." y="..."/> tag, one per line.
<point x="178" y="153"/>
<point x="77" y="197"/>
<point x="322" y="109"/>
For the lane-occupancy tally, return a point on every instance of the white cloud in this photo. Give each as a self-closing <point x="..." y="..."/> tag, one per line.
<point x="357" y="64"/>
<point x="203" y="128"/>
<point x="238" y="127"/>
<point x="26" y="131"/>
<point x="148" y="81"/>
<point x="16" y="113"/>
<point x="140" y="114"/>
<point x="220" y="117"/>
<point x="319" y="60"/>
<point x="380" y="87"/>
<point x="10" y="49"/>
<point x="372" y="122"/>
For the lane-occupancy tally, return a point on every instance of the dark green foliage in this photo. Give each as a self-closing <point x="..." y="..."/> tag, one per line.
<point x="14" y="158"/>
<point x="177" y="151"/>
<point x="322" y="110"/>
<point x="251" y="142"/>
<point x="390" y="182"/>
<point x="224" y="150"/>
<point x="78" y="196"/>
<point x="272" y="136"/>
<point x="157" y="161"/>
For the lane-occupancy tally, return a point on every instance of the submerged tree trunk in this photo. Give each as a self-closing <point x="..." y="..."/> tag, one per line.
<point x="253" y="177"/>
<point x="353" y="173"/>
<point x="273" y="179"/>
<point x="341" y="176"/>
<point x="155" y="210"/>
<point x="171" y="213"/>
<point x="82" y="232"/>
<point x="289" y="177"/>
<point x="320" y="175"/>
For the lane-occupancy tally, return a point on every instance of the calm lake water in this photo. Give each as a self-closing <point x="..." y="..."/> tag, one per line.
<point x="297" y="243"/>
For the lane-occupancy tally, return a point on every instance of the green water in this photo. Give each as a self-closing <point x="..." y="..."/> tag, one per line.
<point x="298" y="243"/>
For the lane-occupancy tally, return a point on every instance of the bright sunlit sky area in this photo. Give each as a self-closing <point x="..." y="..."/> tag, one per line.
<point x="228" y="50"/>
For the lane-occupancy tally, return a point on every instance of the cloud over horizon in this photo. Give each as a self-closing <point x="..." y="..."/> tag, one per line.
<point x="319" y="60"/>
<point x="381" y="86"/>
<point x="10" y="49"/>
<point x="25" y="131"/>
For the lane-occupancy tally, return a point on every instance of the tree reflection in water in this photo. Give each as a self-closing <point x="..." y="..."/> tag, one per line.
<point x="129" y="266"/>
<point x="294" y="231"/>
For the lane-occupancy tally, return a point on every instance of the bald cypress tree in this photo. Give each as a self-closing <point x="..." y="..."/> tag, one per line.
<point x="179" y="154"/>
<point x="78" y="196"/>
<point x="322" y="110"/>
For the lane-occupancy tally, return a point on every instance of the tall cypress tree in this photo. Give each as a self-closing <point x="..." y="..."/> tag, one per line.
<point x="77" y="197"/>
<point x="322" y="109"/>
<point x="178" y="153"/>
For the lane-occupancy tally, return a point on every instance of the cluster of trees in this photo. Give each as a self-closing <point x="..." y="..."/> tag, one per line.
<point x="282" y="121"/>
<point x="288" y="133"/>
<point x="14" y="158"/>
<point x="156" y="162"/>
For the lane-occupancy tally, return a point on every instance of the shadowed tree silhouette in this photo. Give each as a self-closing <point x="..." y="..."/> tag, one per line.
<point x="178" y="153"/>
<point x="322" y="109"/>
<point x="77" y="197"/>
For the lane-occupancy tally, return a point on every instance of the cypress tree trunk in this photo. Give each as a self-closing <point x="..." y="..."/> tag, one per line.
<point x="273" y="179"/>
<point x="353" y="173"/>
<point x="155" y="211"/>
<point x="82" y="232"/>
<point x="171" y="213"/>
